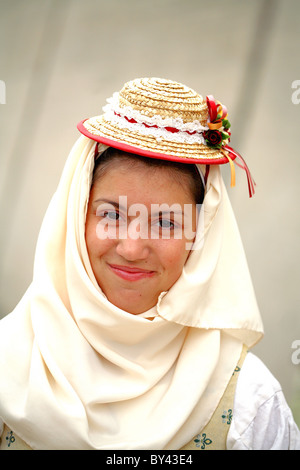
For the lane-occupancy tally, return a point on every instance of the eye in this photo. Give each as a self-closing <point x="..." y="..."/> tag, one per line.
<point x="166" y="223"/>
<point x="111" y="215"/>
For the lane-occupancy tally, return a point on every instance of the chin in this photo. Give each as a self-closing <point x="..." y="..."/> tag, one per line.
<point x="131" y="303"/>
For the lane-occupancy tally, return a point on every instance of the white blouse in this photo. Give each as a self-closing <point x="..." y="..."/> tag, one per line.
<point x="262" y="419"/>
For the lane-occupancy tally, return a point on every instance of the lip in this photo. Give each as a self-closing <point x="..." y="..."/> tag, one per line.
<point x="131" y="273"/>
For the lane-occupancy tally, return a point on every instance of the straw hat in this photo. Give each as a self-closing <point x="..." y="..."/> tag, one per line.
<point x="164" y="119"/>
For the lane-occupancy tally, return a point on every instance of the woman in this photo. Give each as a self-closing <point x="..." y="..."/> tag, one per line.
<point x="135" y="330"/>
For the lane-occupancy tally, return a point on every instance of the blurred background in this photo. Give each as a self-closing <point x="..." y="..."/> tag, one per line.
<point x="61" y="59"/>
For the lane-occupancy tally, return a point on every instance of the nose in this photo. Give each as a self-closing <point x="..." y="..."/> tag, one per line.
<point x="133" y="249"/>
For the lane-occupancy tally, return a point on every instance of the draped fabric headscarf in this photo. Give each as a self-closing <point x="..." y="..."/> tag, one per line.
<point x="77" y="372"/>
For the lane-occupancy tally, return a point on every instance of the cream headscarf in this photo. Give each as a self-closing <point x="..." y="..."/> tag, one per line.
<point x="79" y="373"/>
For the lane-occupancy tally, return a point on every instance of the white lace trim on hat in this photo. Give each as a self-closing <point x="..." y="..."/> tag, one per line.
<point x="156" y="120"/>
<point x="159" y="132"/>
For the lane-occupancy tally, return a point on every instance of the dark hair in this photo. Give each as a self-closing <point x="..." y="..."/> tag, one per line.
<point x="196" y="183"/>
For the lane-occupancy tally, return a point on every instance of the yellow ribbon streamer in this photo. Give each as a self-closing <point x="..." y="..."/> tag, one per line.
<point x="232" y="171"/>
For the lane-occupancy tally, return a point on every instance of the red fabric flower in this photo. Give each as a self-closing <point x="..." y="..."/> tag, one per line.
<point x="213" y="138"/>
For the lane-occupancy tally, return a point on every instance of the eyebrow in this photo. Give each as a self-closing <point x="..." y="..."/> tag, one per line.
<point x="108" y="201"/>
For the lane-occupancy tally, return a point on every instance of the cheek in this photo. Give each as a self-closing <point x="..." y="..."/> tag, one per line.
<point x="90" y="234"/>
<point x="95" y="246"/>
<point x="173" y="256"/>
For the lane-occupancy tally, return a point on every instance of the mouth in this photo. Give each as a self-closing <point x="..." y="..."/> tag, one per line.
<point x="131" y="273"/>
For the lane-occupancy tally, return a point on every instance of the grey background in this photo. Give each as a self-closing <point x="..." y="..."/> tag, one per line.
<point x="60" y="60"/>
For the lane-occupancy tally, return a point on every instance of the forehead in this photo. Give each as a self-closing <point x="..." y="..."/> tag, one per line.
<point x="141" y="181"/>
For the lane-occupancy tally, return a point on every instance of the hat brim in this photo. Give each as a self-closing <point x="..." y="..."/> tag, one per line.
<point x="217" y="158"/>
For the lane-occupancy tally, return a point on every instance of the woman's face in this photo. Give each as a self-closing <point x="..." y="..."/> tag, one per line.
<point x="138" y="247"/>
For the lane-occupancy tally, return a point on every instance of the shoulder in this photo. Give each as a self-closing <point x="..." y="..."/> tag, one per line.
<point x="262" y="418"/>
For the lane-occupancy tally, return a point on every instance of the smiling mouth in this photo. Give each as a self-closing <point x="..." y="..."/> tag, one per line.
<point x="131" y="273"/>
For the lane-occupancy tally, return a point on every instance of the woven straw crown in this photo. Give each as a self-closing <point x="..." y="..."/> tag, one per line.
<point x="165" y="98"/>
<point x="156" y="118"/>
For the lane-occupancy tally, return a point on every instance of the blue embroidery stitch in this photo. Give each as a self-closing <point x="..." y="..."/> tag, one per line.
<point x="10" y="438"/>
<point x="227" y="415"/>
<point x="204" y="441"/>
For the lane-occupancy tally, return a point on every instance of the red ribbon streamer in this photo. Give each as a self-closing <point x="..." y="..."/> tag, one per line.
<point x="242" y="164"/>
